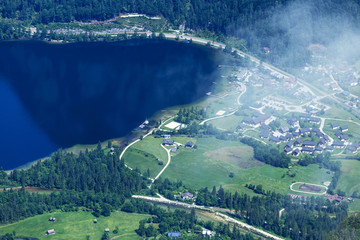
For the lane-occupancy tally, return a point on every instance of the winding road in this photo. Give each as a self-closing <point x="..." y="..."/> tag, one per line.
<point x="167" y="164"/>
<point x="137" y="140"/>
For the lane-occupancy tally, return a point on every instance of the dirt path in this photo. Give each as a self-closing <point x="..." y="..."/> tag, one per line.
<point x="167" y="164"/>
<point x="222" y="116"/>
<point x="318" y="185"/>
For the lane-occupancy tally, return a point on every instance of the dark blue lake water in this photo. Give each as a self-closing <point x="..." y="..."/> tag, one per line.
<point x="56" y="96"/>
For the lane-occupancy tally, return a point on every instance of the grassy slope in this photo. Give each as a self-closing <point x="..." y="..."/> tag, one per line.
<point x="76" y="225"/>
<point x="152" y="146"/>
<point x="350" y="178"/>
<point x="213" y="160"/>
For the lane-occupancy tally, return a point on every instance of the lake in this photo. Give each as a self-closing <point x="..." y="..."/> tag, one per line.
<point x="58" y="95"/>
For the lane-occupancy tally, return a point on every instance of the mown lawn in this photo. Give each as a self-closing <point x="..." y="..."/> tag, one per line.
<point x="76" y="225"/>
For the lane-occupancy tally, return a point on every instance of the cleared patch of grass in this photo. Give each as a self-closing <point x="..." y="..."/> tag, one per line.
<point x="350" y="178"/>
<point x="355" y="90"/>
<point x="228" y="123"/>
<point x="76" y="225"/>
<point x="136" y="158"/>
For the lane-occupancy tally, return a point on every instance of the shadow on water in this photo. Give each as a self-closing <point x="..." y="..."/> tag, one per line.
<point x="85" y="92"/>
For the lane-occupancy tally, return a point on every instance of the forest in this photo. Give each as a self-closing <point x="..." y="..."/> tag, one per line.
<point x="98" y="182"/>
<point x="275" y="24"/>
<point x="94" y="180"/>
<point x="304" y="217"/>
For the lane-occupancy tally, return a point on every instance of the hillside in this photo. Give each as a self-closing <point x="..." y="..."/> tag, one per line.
<point x="284" y="27"/>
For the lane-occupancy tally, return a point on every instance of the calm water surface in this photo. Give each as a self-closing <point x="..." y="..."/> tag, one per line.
<point x="56" y="96"/>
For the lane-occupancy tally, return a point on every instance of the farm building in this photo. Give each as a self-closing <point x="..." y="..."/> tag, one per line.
<point x="168" y="142"/>
<point x="329" y="148"/>
<point x="298" y="142"/>
<point x="318" y="149"/>
<point x="189" y="144"/>
<point x="307" y="150"/>
<point x="338" y="144"/>
<point x="309" y="144"/>
<point x="296" y="152"/>
<point x="287" y="150"/>
<point x="187" y="195"/>
<point x="344" y="128"/>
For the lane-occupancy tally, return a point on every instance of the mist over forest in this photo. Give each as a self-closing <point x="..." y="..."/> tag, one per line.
<point x="286" y="27"/>
<point x="257" y="100"/>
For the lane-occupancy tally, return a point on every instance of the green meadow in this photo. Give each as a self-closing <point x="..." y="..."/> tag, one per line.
<point x="211" y="163"/>
<point x="76" y="225"/>
<point x="350" y="178"/>
<point x="146" y="154"/>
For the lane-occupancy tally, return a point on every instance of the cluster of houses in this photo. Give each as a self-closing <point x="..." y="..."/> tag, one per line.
<point x="335" y="197"/>
<point x="344" y="138"/>
<point x="169" y="142"/>
<point x="293" y="137"/>
<point x="257" y="119"/>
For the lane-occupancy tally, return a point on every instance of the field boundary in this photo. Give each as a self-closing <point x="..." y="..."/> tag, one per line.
<point x="317" y="185"/>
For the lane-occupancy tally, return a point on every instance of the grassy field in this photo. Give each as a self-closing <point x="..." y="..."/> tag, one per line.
<point x="213" y="160"/>
<point x="353" y="131"/>
<point x="76" y="225"/>
<point x="350" y="178"/>
<point x="135" y="158"/>
<point x="355" y="90"/>
<point x="227" y="123"/>
<point x="354" y="207"/>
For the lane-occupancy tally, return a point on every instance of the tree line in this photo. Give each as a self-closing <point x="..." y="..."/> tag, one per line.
<point x="323" y="160"/>
<point x="255" y="23"/>
<point x="267" y="154"/>
<point x="303" y="218"/>
<point x="97" y="181"/>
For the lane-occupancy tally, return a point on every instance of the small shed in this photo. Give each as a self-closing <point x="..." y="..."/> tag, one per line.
<point x="51" y="231"/>
<point x="174" y="234"/>
<point x="95" y="220"/>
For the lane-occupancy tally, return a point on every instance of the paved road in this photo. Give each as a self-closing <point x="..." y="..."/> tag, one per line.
<point x="137" y="140"/>
<point x="167" y="164"/>
<point x="227" y="218"/>
<point x="222" y="116"/>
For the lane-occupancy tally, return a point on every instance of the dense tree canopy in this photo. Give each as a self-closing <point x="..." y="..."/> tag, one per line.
<point x="287" y="27"/>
